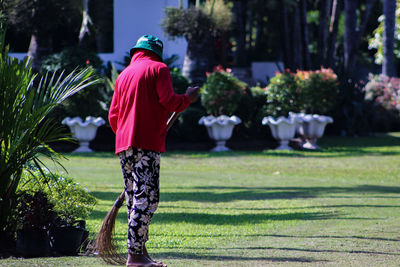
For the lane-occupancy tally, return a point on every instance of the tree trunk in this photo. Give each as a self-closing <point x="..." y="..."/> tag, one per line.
<point x="260" y="26"/>
<point x="102" y="14"/>
<point x="239" y="11"/>
<point x="287" y="55"/>
<point x="304" y="27"/>
<point x="389" y="11"/>
<point x="297" y="47"/>
<point x="198" y="59"/>
<point x="84" y="31"/>
<point x="324" y="11"/>
<point x="333" y="30"/>
<point x="353" y="33"/>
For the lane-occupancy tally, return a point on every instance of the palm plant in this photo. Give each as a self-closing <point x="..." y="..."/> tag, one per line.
<point x="25" y="131"/>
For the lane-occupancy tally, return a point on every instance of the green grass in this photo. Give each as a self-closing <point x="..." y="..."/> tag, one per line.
<point x="336" y="207"/>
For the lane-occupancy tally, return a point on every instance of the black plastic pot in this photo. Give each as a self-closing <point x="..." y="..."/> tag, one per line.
<point x="66" y="240"/>
<point x="32" y="243"/>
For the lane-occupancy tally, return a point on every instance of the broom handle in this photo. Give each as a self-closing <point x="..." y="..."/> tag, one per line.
<point x="171" y="120"/>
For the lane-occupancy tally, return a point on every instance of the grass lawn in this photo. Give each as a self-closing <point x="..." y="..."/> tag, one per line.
<point x="336" y="207"/>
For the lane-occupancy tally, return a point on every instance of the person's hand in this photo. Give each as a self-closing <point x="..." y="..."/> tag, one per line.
<point x="193" y="93"/>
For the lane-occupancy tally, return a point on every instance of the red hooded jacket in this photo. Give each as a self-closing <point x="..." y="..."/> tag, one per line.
<point x="142" y="102"/>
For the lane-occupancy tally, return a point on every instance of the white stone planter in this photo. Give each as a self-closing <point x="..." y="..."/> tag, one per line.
<point x="219" y="129"/>
<point x="312" y="128"/>
<point x="283" y="129"/>
<point x="83" y="131"/>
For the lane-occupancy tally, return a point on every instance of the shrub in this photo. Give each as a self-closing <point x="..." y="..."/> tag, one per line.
<point x="318" y="90"/>
<point x="282" y="95"/>
<point x="71" y="201"/>
<point x="179" y="82"/>
<point x="383" y="91"/>
<point x="221" y="93"/>
<point x="85" y="103"/>
<point x="34" y="211"/>
<point x="303" y="91"/>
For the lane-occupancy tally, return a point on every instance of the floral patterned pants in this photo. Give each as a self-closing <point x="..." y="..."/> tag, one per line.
<point x="141" y="171"/>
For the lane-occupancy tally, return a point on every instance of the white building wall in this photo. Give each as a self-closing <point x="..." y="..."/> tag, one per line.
<point x="134" y="18"/>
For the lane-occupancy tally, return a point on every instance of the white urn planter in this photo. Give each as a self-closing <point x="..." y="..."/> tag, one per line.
<point x="219" y="129"/>
<point x="83" y="131"/>
<point x="312" y="128"/>
<point x="283" y="129"/>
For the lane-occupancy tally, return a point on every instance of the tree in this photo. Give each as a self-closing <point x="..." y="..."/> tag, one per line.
<point x="337" y="7"/>
<point x="199" y="25"/>
<point x="42" y="19"/>
<point x="377" y="41"/>
<point x="295" y="34"/>
<point x="389" y="11"/>
<point x="354" y="31"/>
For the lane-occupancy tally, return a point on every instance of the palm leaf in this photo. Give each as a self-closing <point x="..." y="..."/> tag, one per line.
<point x="25" y="132"/>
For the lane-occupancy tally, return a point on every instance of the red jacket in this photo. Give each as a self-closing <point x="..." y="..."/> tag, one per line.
<point x="142" y="102"/>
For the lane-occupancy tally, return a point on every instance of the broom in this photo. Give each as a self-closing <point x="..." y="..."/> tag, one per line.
<point x="105" y="244"/>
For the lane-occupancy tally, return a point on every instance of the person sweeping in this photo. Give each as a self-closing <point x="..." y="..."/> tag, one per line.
<point x="141" y="105"/>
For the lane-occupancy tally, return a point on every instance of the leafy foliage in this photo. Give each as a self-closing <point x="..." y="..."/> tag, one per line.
<point x="221" y="93"/>
<point x="70" y="200"/>
<point x="376" y="42"/>
<point x="35" y="212"/>
<point x="219" y="12"/>
<point x="25" y="131"/>
<point x="383" y="92"/>
<point x="303" y="91"/>
<point x="85" y="103"/>
<point x="282" y="95"/>
<point x="318" y="89"/>
<point x="179" y="82"/>
<point x="191" y="23"/>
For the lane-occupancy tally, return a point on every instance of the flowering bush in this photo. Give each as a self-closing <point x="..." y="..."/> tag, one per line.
<point x="383" y="92"/>
<point x="318" y="89"/>
<point x="303" y="91"/>
<point x="221" y="93"/>
<point x="282" y="95"/>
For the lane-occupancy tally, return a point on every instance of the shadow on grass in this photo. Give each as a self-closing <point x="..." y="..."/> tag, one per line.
<point x="223" y="219"/>
<point x="219" y="194"/>
<point x="293" y="249"/>
<point x="228" y="219"/>
<point x="338" y="237"/>
<point x="209" y="194"/>
<point x="284" y="208"/>
<point x="193" y="256"/>
<point x="331" y="147"/>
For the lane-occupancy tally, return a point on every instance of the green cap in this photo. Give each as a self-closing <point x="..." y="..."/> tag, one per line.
<point x="149" y="42"/>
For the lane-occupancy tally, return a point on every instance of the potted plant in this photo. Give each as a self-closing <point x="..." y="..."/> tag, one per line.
<point x="220" y="96"/>
<point x="282" y="98"/>
<point x="319" y="90"/>
<point x="73" y="206"/>
<point x="35" y="214"/>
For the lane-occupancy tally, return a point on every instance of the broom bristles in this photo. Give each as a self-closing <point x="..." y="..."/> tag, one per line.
<point x="105" y="244"/>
